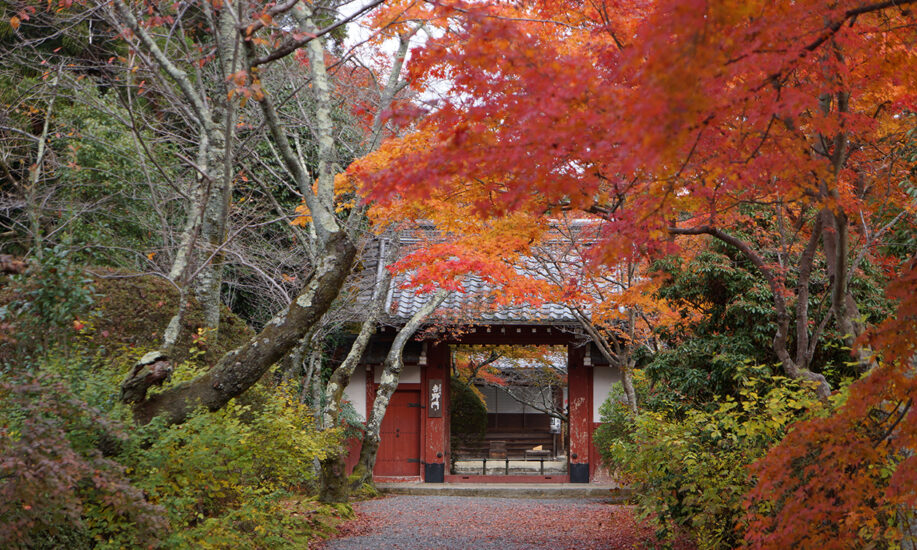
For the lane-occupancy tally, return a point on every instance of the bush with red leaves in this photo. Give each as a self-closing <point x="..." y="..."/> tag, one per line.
<point x="57" y="487"/>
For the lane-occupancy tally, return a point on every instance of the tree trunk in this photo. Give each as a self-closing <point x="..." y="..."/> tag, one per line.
<point x="33" y="206"/>
<point x="621" y="358"/>
<point x="627" y="363"/>
<point x="292" y="367"/>
<point x="627" y="380"/>
<point x="391" y="373"/>
<point x="781" y="339"/>
<point x="843" y="304"/>
<point x="239" y="369"/>
<point x="334" y="485"/>
<point x="313" y="371"/>
<point x="220" y="156"/>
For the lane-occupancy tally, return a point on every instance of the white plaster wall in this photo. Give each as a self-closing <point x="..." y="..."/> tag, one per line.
<point x="602" y="379"/>
<point x="410" y="374"/>
<point x="498" y="402"/>
<point x="355" y="392"/>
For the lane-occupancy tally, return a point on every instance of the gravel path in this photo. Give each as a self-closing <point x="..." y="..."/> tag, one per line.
<point x="422" y="522"/>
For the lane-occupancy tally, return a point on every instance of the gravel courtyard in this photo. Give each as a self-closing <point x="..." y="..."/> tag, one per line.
<point x="450" y="522"/>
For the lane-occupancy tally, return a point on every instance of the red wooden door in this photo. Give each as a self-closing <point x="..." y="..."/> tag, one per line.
<point x="399" y="444"/>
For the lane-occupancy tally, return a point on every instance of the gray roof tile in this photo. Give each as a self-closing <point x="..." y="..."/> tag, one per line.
<point x="469" y="307"/>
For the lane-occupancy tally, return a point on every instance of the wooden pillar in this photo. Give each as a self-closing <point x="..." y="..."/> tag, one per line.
<point x="435" y="389"/>
<point x="579" y="396"/>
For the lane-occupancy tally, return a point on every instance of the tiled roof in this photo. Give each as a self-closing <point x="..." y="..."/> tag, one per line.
<point x="472" y="306"/>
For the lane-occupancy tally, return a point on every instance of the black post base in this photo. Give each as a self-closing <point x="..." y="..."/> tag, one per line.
<point x="579" y="473"/>
<point x="434" y="473"/>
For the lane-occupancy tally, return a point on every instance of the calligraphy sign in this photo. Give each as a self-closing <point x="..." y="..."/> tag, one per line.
<point x="435" y="406"/>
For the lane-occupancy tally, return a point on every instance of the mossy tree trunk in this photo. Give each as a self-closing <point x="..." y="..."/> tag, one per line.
<point x="238" y="370"/>
<point x="212" y="109"/>
<point x="334" y="486"/>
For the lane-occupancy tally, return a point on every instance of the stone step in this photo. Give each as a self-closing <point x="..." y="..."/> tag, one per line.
<point x="607" y="491"/>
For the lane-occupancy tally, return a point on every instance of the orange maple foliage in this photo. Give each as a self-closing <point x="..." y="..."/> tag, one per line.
<point x="677" y="118"/>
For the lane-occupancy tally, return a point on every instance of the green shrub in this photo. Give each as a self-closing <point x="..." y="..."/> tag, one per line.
<point x="467" y="415"/>
<point x="263" y="522"/>
<point x="617" y="421"/>
<point x="688" y="470"/>
<point x="208" y="470"/>
<point x="41" y="307"/>
<point x="75" y="472"/>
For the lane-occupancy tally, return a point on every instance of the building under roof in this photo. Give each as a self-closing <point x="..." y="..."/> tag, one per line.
<point x="416" y="443"/>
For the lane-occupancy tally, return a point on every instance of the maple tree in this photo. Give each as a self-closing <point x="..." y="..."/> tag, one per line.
<point x="781" y="130"/>
<point x="52" y="477"/>
<point x="856" y="467"/>
<point x="618" y="307"/>
<point x="672" y="120"/>
<point x="672" y="132"/>
<point x="729" y="321"/>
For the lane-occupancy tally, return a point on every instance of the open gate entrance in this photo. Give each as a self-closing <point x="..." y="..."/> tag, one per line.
<point x="508" y="411"/>
<point x="399" y="444"/>
<point x="415" y="440"/>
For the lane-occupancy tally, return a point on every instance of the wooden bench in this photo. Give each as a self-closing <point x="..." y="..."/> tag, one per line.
<point x="497" y="449"/>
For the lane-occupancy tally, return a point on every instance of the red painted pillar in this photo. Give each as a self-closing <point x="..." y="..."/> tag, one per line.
<point x="435" y="389"/>
<point x="579" y="397"/>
